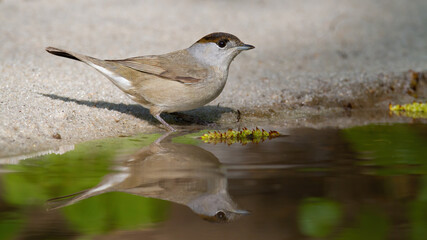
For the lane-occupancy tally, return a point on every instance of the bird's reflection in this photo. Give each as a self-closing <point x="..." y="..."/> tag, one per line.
<point x="180" y="173"/>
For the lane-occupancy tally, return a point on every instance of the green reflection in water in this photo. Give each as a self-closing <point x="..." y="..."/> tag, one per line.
<point x="370" y="224"/>
<point x="418" y="219"/>
<point x="398" y="149"/>
<point x="112" y="211"/>
<point x="191" y="138"/>
<point x="10" y="224"/>
<point x="318" y="217"/>
<point x="35" y="180"/>
<point x="418" y="213"/>
<point x="386" y="151"/>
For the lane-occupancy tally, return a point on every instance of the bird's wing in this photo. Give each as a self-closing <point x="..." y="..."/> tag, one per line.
<point x="175" y="67"/>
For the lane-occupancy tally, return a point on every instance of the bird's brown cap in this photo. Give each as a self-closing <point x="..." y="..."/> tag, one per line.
<point x="218" y="36"/>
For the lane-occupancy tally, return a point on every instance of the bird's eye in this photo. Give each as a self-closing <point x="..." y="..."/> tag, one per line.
<point x="222" y="43"/>
<point x="221" y="215"/>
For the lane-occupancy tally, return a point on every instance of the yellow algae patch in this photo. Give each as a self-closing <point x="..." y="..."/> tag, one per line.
<point x="414" y="110"/>
<point x="244" y="136"/>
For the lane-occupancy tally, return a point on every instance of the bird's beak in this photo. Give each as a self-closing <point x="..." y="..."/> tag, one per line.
<point x="245" y="47"/>
<point x="241" y="211"/>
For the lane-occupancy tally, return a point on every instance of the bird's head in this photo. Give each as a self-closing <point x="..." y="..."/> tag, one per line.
<point x="218" y="49"/>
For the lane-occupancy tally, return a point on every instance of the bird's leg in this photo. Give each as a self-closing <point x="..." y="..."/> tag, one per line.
<point x="169" y="127"/>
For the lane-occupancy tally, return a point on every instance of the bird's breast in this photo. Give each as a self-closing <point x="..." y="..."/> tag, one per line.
<point x="174" y="96"/>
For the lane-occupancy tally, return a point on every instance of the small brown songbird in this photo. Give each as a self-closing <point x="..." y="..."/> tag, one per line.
<point x="181" y="173"/>
<point x="172" y="82"/>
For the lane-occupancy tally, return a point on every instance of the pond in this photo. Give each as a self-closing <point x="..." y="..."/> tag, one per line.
<point x="367" y="182"/>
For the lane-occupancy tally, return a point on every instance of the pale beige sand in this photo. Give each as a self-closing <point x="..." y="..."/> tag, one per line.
<point x="313" y="52"/>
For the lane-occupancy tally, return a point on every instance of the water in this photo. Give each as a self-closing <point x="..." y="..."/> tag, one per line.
<point x="365" y="182"/>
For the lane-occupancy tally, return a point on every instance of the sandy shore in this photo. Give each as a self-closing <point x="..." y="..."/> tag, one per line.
<point x="309" y="55"/>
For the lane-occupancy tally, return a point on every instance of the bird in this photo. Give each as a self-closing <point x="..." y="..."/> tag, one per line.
<point x="177" y="81"/>
<point x="181" y="173"/>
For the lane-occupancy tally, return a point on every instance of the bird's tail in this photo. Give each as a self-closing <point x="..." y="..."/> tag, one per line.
<point x="110" y="69"/>
<point x="67" y="200"/>
<point x="63" y="53"/>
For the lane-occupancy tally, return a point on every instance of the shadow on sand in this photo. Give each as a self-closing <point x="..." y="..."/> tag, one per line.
<point x="207" y="114"/>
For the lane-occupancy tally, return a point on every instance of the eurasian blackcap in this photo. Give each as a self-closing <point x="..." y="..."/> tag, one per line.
<point x="172" y="82"/>
<point x="182" y="173"/>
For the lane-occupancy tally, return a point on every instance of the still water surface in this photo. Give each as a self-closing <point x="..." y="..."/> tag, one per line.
<point x="365" y="182"/>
